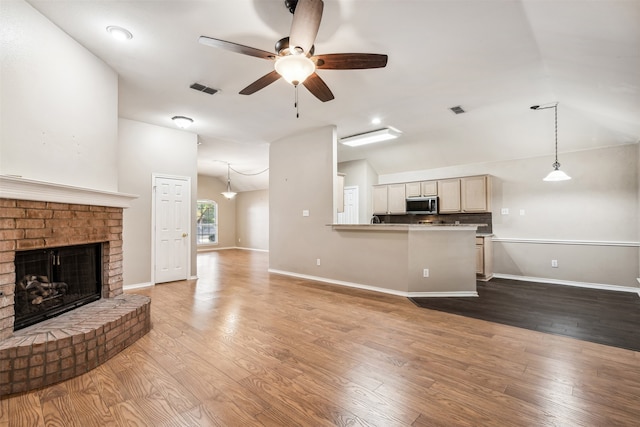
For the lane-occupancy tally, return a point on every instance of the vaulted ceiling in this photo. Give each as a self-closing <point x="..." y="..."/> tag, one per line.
<point x="494" y="58"/>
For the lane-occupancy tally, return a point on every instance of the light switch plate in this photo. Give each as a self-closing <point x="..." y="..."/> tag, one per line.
<point x="504" y="211"/>
<point x="305" y="212"/>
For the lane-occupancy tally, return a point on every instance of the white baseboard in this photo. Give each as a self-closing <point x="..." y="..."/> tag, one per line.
<point x="251" y="249"/>
<point x="442" y="294"/>
<point x="137" y="286"/>
<point x="601" y="286"/>
<point x="375" y="288"/>
<point x="212" y="249"/>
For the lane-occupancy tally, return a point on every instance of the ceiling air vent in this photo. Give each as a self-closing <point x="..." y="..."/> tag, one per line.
<point x="458" y="109"/>
<point x="203" y="88"/>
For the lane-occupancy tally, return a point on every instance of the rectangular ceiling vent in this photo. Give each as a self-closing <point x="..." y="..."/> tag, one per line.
<point x="458" y="109"/>
<point x="203" y="88"/>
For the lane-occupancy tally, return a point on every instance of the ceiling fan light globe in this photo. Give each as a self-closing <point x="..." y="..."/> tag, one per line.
<point x="295" y="68"/>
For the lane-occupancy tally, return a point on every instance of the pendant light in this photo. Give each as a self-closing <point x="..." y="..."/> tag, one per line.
<point x="229" y="194"/>
<point x="556" y="174"/>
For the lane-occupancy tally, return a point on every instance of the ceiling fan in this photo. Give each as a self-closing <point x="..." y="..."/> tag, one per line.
<point x="294" y="58"/>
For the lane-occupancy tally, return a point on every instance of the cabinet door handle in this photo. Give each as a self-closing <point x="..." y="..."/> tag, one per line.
<point x="185" y="234"/>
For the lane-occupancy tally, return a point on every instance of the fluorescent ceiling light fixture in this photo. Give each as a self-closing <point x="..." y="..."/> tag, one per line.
<point x="182" y="122"/>
<point x="371" y="137"/>
<point x="295" y="68"/>
<point x="119" y="33"/>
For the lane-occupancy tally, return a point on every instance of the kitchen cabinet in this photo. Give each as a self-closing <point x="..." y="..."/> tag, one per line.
<point x="421" y="189"/>
<point x="484" y="258"/>
<point x="413" y="189"/>
<point x="389" y="199"/>
<point x="429" y="188"/>
<point x="449" y="195"/>
<point x="475" y="194"/>
<point x="468" y="194"/>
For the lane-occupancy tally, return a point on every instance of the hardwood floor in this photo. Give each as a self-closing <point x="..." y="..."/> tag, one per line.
<point x="242" y="347"/>
<point x="596" y="315"/>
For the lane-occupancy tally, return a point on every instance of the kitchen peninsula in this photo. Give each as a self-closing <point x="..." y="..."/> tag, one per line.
<point x="426" y="259"/>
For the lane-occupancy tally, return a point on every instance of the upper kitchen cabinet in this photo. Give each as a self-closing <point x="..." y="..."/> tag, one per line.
<point x="449" y="195"/>
<point x="421" y="189"/>
<point x="476" y="193"/>
<point x="389" y="199"/>
<point x="429" y="188"/>
<point x="469" y="194"/>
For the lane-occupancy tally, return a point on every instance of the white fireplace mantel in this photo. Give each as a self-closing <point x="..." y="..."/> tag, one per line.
<point x="27" y="189"/>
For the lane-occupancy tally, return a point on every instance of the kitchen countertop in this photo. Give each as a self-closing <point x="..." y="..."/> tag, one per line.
<point x="406" y="227"/>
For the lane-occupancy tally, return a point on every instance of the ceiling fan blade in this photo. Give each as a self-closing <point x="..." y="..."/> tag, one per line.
<point x="305" y="24"/>
<point x="235" y="47"/>
<point x="261" y="83"/>
<point x="318" y="87"/>
<point x="350" y="61"/>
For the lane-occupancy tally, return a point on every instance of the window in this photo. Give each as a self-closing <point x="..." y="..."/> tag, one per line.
<point x="207" y="222"/>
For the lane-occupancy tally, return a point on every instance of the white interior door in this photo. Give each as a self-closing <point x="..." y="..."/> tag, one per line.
<point x="172" y="226"/>
<point x="350" y="214"/>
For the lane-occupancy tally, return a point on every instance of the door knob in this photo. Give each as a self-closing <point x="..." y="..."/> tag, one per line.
<point x="185" y="234"/>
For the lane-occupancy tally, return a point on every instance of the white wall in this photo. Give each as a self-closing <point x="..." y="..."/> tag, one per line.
<point x="145" y="150"/>
<point x="209" y="188"/>
<point x="589" y="224"/>
<point x="59" y="104"/>
<point x="252" y="219"/>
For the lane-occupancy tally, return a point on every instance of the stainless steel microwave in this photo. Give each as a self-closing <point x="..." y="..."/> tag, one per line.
<point x="422" y="205"/>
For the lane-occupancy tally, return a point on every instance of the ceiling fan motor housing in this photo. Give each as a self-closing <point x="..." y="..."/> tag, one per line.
<point x="282" y="48"/>
<point x="291" y="5"/>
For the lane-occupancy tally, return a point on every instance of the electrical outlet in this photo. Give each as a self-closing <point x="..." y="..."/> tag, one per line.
<point x="305" y="212"/>
<point x="521" y="212"/>
<point x="425" y="272"/>
<point x="554" y="263"/>
<point x="318" y="261"/>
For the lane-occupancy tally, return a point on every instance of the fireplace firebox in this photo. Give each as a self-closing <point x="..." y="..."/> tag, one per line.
<point x="52" y="281"/>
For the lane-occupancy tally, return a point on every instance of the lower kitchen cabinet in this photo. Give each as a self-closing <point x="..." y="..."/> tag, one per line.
<point x="484" y="258"/>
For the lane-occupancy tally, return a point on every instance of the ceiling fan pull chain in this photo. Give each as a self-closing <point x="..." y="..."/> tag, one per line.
<point x="296" y="103"/>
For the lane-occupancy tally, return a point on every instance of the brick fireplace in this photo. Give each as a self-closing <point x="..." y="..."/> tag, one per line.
<point x="74" y="342"/>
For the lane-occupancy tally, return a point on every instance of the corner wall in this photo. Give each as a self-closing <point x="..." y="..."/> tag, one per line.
<point x="145" y="150"/>
<point x="54" y="129"/>
<point x="252" y="220"/>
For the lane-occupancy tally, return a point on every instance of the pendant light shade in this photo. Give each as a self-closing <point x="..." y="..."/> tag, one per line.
<point x="556" y="174"/>
<point x="228" y="193"/>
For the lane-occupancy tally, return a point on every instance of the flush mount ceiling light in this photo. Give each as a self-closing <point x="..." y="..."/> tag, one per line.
<point x="182" y="122"/>
<point x="371" y="137"/>
<point x="119" y="33"/>
<point x="228" y="193"/>
<point x="556" y="174"/>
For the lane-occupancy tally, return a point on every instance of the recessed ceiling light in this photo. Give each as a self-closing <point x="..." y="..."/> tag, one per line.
<point x="119" y="33"/>
<point x="182" y="122"/>
<point x="376" y="121"/>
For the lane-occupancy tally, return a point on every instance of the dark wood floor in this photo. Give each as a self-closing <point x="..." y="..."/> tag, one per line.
<point x="242" y="347"/>
<point x="604" y="317"/>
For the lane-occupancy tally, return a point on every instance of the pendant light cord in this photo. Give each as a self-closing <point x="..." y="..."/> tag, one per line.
<point x="555" y="108"/>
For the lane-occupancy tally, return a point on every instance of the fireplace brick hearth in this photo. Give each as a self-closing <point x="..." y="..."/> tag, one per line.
<point x="29" y="224"/>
